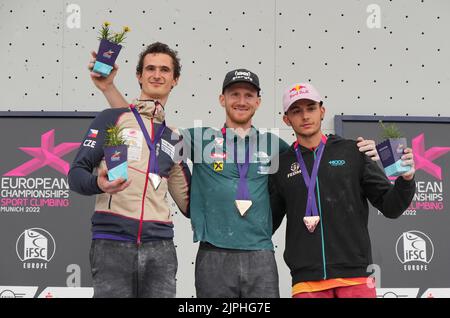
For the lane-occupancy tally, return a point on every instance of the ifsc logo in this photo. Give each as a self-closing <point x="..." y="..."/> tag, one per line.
<point x="415" y="250"/>
<point x="35" y="247"/>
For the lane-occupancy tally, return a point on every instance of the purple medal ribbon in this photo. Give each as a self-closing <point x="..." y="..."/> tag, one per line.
<point x="154" y="168"/>
<point x="242" y="190"/>
<point x="311" y="205"/>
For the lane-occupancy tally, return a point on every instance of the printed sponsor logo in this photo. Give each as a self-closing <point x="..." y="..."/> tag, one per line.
<point x="35" y="247"/>
<point x="436" y="293"/>
<point x="218" y="141"/>
<point x="397" y="292"/>
<point x="46" y="155"/>
<point x="412" y="293"/>
<point x="216" y="155"/>
<point x="30" y="194"/>
<point x="336" y="163"/>
<point x="168" y="148"/>
<point x="18" y="291"/>
<point x="116" y="156"/>
<point x="218" y="166"/>
<point x="423" y="159"/>
<point x="108" y="54"/>
<point x="242" y="75"/>
<point x="263" y="170"/>
<point x="414" y="250"/>
<point x="295" y="168"/>
<point x="134" y="139"/>
<point x="67" y="292"/>
<point x="429" y="195"/>
<point x="296" y="90"/>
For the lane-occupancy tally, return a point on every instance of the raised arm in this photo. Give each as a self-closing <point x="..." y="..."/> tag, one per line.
<point x="106" y="85"/>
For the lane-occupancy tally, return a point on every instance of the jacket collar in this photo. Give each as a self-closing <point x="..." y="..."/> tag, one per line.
<point x="253" y="132"/>
<point x="150" y="109"/>
<point x="326" y="140"/>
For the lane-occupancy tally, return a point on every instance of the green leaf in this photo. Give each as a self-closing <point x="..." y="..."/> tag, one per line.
<point x="390" y="131"/>
<point x="114" y="136"/>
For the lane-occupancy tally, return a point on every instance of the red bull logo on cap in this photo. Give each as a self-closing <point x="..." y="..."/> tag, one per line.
<point x="297" y="89"/>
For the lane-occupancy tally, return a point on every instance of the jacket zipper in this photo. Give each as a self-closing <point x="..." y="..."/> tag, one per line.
<point x="324" y="260"/>
<point x="141" y="220"/>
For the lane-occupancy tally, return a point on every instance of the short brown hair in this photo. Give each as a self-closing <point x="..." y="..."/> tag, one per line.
<point x="158" y="47"/>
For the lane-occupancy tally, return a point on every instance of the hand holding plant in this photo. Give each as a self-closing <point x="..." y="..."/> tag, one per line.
<point x="116" y="153"/>
<point x="110" y="46"/>
<point x="392" y="149"/>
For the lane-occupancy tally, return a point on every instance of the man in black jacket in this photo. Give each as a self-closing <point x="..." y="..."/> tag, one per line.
<point x="322" y="185"/>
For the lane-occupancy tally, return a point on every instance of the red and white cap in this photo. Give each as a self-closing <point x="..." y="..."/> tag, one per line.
<point x="299" y="91"/>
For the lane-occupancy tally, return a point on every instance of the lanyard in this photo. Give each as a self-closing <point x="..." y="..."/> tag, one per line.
<point x="242" y="190"/>
<point x="310" y="182"/>
<point x="154" y="168"/>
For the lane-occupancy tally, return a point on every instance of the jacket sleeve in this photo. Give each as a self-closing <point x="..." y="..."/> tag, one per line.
<point x="179" y="184"/>
<point x="283" y="145"/>
<point x="391" y="200"/>
<point x="277" y="203"/>
<point x="89" y="156"/>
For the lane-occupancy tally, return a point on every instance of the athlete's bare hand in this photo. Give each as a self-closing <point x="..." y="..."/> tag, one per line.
<point x="368" y="147"/>
<point x="111" y="187"/>
<point x="408" y="160"/>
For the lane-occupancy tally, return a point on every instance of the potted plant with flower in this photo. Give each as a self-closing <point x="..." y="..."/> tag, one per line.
<point x="109" y="49"/>
<point x="116" y="153"/>
<point x="391" y="150"/>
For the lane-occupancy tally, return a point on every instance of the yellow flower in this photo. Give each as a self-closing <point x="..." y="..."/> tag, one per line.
<point x="106" y="24"/>
<point x="126" y="29"/>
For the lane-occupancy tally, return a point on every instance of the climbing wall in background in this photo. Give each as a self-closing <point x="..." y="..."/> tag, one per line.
<point x="366" y="57"/>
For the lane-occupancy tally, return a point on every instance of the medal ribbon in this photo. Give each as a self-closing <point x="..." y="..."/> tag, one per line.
<point x="310" y="182"/>
<point x="154" y="167"/>
<point x="242" y="190"/>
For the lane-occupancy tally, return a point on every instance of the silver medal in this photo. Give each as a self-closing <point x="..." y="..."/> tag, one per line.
<point x="155" y="179"/>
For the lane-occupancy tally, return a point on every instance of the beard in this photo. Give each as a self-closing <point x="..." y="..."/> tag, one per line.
<point x="240" y="119"/>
